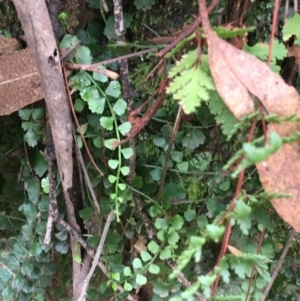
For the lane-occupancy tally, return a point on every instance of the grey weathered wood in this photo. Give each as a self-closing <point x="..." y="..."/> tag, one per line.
<point x="41" y="41"/>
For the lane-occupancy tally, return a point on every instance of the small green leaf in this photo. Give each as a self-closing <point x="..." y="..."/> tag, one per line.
<point x="120" y="107"/>
<point x="5" y="274"/>
<point x="127" y="272"/>
<point x="8" y="293"/>
<point x="25" y="114"/>
<point x="190" y="215"/>
<point x="26" y="268"/>
<point x="127" y="286"/>
<point x="79" y="141"/>
<point x="98" y="142"/>
<point x="183" y="166"/>
<point x="144" y="5"/>
<point x="112" y="179"/>
<point x="38" y="114"/>
<point x="109" y="143"/>
<point x="161" y="289"/>
<point x="161" y="223"/>
<point x="159" y="141"/>
<point x="32" y="138"/>
<point x="161" y="235"/>
<point x="35" y="249"/>
<point x="114" y="286"/>
<point x="107" y="123"/>
<point x="122" y="186"/>
<point x="193" y="139"/>
<point x="156" y="174"/>
<point x="125" y="170"/>
<point x="113" y="89"/>
<point x="202" y="221"/>
<point x="177" y="222"/>
<point x="153" y="268"/>
<point x="241" y="210"/>
<point x="165" y="254"/>
<point x="29" y="211"/>
<point x="45" y="185"/>
<point x="100" y="77"/>
<point x="140" y="279"/>
<point x="259" y="154"/>
<point x="26" y="125"/>
<point x="215" y="232"/>
<point x="27" y="231"/>
<point x="154" y="211"/>
<point x="109" y="28"/>
<point x="177" y="156"/>
<point x="127" y="152"/>
<point x="153" y="247"/>
<point x="68" y="41"/>
<point x="113" y="164"/>
<point x="145" y="256"/>
<point x="86" y="213"/>
<point x="137" y="263"/>
<point x="116" y="276"/>
<point x="174" y="191"/>
<point x="124" y="128"/>
<point x="41" y="228"/>
<point x="83" y="56"/>
<point x="93" y="241"/>
<point x="224" y="186"/>
<point x="92" y="97"/>
<point x="173" y="238"/>
<point x="17" y="282"/>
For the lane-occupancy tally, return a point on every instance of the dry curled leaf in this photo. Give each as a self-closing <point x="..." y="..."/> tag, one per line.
<point x="237" y="77"/>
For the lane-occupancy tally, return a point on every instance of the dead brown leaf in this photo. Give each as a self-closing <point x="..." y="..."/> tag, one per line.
<point x="239" y="75"/>
<point x="8" y="44"/>
<point x="140" y="245"/>
<point x="20" y="83"/>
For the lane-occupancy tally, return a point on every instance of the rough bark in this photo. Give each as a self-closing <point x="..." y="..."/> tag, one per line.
<point x="41" y="41"/>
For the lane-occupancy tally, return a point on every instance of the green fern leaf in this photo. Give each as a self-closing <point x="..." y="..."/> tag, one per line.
<point x="192" y="82"/>
<point x="187" y="61"/>
<point x="222" y="113"/>
<point x="292" y="28"/>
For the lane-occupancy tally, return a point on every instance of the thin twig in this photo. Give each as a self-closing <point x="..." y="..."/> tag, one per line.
<point x="189" y="30"/>
<point x="167" y="158"/>
<point x="86" y="176"/>
<point x="77" y="124"/>
<point x="278" y="266"/>
<point x="92" y="68"/>
<point x="120" y="58"/>
<point x="273" y="30"/>
<point x="96" y="257"/>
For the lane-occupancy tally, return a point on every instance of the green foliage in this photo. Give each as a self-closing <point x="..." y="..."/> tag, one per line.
<point x="191" y="82"/>
<point x="289" y="29"/>
<point x="144" y="4"/>
<point x="32" y="125"/>
<point x="261" y="51"/>
<point x="258" y="154"/>
<point x="191" y="215"/>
